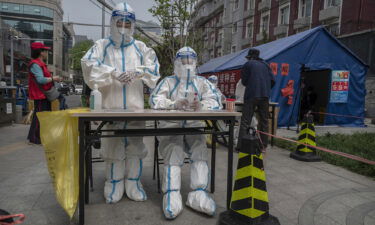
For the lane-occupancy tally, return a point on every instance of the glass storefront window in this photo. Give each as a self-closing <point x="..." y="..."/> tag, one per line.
<point x="26" y="9"/>
<point x="32" y="10"/>
<point x="46" y="12"/>
<point x="12" y="8"/>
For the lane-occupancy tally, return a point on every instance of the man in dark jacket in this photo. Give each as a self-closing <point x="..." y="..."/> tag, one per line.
<point x="256" y="76"/>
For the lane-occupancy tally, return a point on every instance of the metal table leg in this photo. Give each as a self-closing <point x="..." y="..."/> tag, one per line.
<point x="230" y="162"/>
<point x="273" y="123"/>
<point x="213" y="157"/>
<point x="81" y="177"/>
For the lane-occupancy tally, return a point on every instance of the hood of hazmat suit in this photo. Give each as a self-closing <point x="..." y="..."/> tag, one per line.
<point x="122" y="24"/>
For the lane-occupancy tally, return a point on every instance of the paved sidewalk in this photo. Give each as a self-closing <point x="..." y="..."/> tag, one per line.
<point x="299" y="193"/>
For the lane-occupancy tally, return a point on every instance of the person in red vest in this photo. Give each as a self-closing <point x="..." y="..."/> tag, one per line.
<point x="39" y="77"/>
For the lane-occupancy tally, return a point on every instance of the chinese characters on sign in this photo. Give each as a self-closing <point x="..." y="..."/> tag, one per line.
<point x="274" y="68"/>
<point x="339" y="86"/>
<point x="284" y="69"/>
<point x="227" y="81"/>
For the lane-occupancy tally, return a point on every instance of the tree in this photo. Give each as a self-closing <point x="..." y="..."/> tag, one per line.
<point x="174" y="17"/>
<point x="77" y="52"/>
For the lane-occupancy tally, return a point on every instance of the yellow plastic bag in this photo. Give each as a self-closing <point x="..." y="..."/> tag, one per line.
<point x="59" y="136"/>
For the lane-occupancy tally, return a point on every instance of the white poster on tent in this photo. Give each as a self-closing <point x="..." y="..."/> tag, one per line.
<point x="339" y="86"/>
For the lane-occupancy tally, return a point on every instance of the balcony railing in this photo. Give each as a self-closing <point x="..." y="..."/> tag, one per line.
<point x="264" y="5"/>
<point x="301" y="22"/>
<point x="280" y="29"/>
<point x="329" y="13"/>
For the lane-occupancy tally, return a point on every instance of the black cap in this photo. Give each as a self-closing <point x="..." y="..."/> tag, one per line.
<point x="253" y="53"/>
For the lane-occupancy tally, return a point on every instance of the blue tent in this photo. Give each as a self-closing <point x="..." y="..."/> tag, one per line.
<point x="316" y="49"/>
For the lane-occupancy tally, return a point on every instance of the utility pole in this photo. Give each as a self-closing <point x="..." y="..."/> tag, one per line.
<point x="11" y="61"/>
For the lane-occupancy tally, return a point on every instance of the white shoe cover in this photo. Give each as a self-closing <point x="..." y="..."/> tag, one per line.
<point x="171" y="185"/>
<point x="114" y="184"/>
<point x="113" y="191"/>
<point x="199" y="198"/>
<point x="133" y="186"/>
<point x="200" y="201"/>
<point x="172" y="204"/>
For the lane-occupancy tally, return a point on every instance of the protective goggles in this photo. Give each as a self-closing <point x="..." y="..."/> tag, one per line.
<point x="186" y="55"/>
<point x="212" y="79"/>
<point x="124" y="16"/>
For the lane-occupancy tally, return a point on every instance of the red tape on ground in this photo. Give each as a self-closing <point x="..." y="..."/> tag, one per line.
<point x="338" y="115"/>
<point x="21" y="218"/>
<point x="346" y="155"/>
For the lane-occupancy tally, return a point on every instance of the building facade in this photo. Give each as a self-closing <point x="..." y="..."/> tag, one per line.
<point x="21" y="53"/>
<point x="231" y="25"/>
<point x="41" y="20"/>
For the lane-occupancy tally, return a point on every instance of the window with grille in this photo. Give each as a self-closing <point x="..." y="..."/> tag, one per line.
<point x="236" y="4"/>
<point x="250" y="4"/>
<point x="264" y="24"/>
<point x="284" y="15"/>
<point x="305" y="8"/>
<point x="249" y="30"/>
<point x="234" y="30"/>
<point x="330" y="3"/>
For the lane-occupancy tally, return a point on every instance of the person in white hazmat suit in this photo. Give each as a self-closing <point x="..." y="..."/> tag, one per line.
<point x="185" y="90"/>
<point x="120" y="66"/>
<point x="215" y="81"/>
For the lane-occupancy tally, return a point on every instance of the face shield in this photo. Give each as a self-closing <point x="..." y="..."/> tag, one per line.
<point x="185" y="63"/>
<point x="124" y="22"/>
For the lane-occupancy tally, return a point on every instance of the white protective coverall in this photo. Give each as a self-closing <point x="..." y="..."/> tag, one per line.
<point x="120" y="66"/>
<point x="215" y="81"/>
<point x="171" y="93"/>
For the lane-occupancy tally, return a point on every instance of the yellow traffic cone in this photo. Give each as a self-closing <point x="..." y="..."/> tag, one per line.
<point x="306" y="136"/>
<point x="249" y="203"/>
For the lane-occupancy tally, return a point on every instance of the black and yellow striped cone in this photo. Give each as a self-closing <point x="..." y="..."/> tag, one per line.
<point x="249" y="203"/>
<point x="306" y="136"/>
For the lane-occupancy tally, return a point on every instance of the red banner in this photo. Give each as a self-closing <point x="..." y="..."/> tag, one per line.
<point x="227" y="81"/>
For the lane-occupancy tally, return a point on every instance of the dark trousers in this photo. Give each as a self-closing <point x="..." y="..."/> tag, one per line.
<point x="259" y="105"/>
<point x="34" y="132"/>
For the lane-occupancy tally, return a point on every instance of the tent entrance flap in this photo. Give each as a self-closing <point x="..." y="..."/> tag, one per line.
<point x="315" y="88"/>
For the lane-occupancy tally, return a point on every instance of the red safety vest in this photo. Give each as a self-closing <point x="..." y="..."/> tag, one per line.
<point x="34" y="92"/>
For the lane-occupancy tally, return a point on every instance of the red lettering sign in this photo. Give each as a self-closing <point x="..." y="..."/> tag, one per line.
<point x="274" y="68"/>
<point x="285" y="69"/>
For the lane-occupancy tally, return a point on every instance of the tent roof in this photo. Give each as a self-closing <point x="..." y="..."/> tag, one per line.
<point x="267" y="51"/>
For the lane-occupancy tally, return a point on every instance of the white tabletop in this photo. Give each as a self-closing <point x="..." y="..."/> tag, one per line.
<point x="153" y="113"/>
<point x="241" y="103"/>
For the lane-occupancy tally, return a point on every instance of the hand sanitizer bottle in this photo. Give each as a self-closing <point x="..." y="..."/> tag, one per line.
<point x="95" y="99"/>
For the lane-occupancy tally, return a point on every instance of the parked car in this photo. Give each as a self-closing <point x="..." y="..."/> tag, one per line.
<point x="78" y="89"/>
